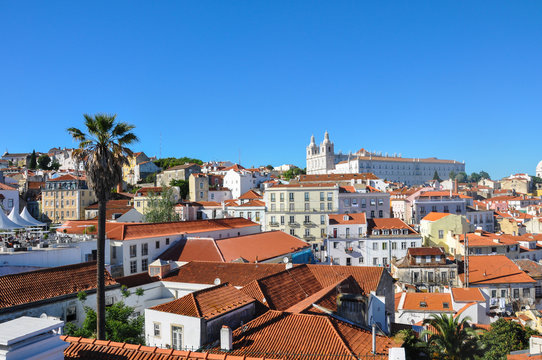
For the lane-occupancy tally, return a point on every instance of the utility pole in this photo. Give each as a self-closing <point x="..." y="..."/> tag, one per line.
<point x="466" y="261"/>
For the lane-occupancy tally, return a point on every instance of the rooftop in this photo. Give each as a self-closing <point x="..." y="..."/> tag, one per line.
<point x="347" y="219"/>
<point x="432" y="302"/>
<point x="494" y="269"/>
<point x="434" y="216"/>
<point x="467" y="294"/>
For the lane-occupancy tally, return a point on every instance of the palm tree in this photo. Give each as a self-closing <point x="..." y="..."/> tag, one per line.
<point x="103" y="151"/>
<point x="451" y="339"/>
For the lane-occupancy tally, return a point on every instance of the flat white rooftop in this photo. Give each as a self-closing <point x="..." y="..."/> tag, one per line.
<point x="25" y="327"/>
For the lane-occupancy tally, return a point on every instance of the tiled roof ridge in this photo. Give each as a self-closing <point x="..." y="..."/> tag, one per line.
<point x="256" y="284"/>
<point x="316" y="296"/>
<point x="196" y="306"/>
<point x="52" y="269"/>
<point x="218" y="250"/>
<point x="154" y="349"/>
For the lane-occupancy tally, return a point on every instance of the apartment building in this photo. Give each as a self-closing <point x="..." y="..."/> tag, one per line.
<point x="366" y="199"/>
<point x="65" y="198"/>
<point x="439" y="201"/>
<point x="301" y="209"/>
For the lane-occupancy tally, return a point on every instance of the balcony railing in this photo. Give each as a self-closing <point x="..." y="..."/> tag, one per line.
<point x="293" y="224"/>
<point x="274" y="224"/>
<point x="309" y="238"/>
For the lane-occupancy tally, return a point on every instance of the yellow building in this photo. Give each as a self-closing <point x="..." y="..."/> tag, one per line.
<point x="301" y="209"/>
<point x="130" y="173"/>
<point x="435" y="228"/>
<point x="142" y="197"/>
<point x="65" y="198"/>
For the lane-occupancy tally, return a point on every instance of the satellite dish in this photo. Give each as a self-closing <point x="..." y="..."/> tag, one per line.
<point x="217" y="281"/>
<point x="43" y="316"/>
<point x="285" y="260"/>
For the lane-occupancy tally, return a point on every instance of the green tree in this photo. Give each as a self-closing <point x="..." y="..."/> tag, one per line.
<point x="474" y="177"/>
<point x="452" y="175"/>
<point x="269" y="167"/>
<point x="484" y="175"/>
<point x="451" y="339"/>
<point x="503" y="337"/>
<point x="414" y="347"/>
<point x="461" y="177"/>
<point x="292" y="173"/>
<point x="183" y="187"/>
<point x="33" y="163"/>
<point x="121" y="325"/>
<point x="43" y="162"/>
<point x="536" y="180"/>
<point x="103" y="151"/>
<point x="161" y="208"/>
<point x="436" y="177"/>
<point x="166" y="163"/>
<point x="55" y="165"/>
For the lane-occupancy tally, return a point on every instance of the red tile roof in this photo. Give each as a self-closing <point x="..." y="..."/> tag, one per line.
<point x="367" y="277"/>
<point x="467" y="294"/>
<point x="237" y="274"/>
<point x="346" y="219"/>
<point x="130" y="231"/>
<point x="494" y="269"/>
<point x="431" y="302"/>
<point x="91" y="349"/>
<point x="304" y="337"/>
<point x="6" y="187"/>
<point x="425" y="251"/>
<point x="48" y="283"/>
<point x="68" y="177"/>
<point x="389" y="224"/>
<point x="207" y="303"/>
<point x="251" y="194"/>
<point x="137" y="280"/>
<point x="434" y="216"/>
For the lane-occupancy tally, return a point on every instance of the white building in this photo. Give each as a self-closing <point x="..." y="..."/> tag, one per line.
<point x="372" y="202"/>
<point x="9" y="198"/>
<point x="323" y="160"/>
<point x="241" y="181"/>
<point x="353" y="240"/>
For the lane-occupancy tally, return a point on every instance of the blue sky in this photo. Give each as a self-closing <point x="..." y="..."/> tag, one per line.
<point x="453" y="79"/>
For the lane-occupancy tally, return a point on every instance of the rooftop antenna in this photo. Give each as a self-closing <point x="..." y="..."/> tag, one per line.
<point x="466" y="261"/>
<point x="160" y="153"/>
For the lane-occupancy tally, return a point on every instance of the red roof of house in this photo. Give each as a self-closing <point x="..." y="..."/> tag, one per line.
<point x="237" y="274"/>
<point x="434" y="216"/>
<point x="6" y="187"/>
<point x="389" y="224"/>
<point x="432" y="302"/>
<point x="467" y="294"/>
<point x="67" y="177"/>
<point x="251" y="194"/>
<point x="304" y="337"/>
<point x="495" y="269"/>
<point x="207" y="303"/>
<point x="426" y="251"/>
<point x="91" y="349"/>
<point x="347" y="219"/>
<point x="27" y="287"/>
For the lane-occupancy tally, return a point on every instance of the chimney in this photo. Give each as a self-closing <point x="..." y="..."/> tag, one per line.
<point x="119" y="187"/>
<point x="455" y="185"/>
<point x="374" y="338"/>
<point x="226" y="338"/>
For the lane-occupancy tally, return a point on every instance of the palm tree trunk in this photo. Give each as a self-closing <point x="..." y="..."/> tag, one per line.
<point x="100" y="291"/>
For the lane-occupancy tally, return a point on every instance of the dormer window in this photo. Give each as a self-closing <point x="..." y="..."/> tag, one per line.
<point x="385" y="232"/>
<point x="395" y="232"/>
<point x="376" y="232"/>
<point x="346" y="217"/>
<point x="405" y="231"/>
<point x="423" y="304"/>
<point x="446" y="305"/>
<point x="437" y="258"/>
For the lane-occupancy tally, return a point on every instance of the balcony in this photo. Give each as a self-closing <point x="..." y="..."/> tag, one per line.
<point x="309" y="238"/>
<point x="274" y="224"/>
<point x="349" y="250"/>
<point x="309" y="224"/>
<point x="293" y="224"/>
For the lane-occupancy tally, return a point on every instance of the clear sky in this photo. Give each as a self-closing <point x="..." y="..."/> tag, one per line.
<point x="214" y="79"/>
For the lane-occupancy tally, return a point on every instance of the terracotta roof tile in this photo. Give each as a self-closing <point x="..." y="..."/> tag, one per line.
<point x="48" y="283"/>
<point x="293" y="337"/>
<point x="467" y="294"/>
<point x="495" y="269"/>
<point x="237" y="274"/>
<point x="434" y="216"/>
<point x="207" y="303"/>
<point x="344" y="219"/>
<point x="389" y="223"/>
<point x="249" y="195"/>
<point x="367" y="277"/>
<point x="431" y="302"/>
<point x="137" y="280"/>
<point x="426" y="251"/>
<point x="91" y="349"/>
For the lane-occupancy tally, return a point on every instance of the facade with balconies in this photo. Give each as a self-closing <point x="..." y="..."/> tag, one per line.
<point x="354" y="240"/>
<point x="439" y="201"/>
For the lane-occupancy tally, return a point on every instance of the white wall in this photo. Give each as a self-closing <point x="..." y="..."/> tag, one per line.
<point x="191" y="337"/>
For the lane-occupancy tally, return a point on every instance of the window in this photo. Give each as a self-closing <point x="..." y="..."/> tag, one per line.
<point x="363" y="203"/>
<point x="329" y="196"/>
<point x="380" y="213"/>
<point x="201" y="194"/>
<point x="157" y="329"/>
<point x="526" y="292"/>
<point x="403" y="245"/>
<point x="292" y="220"/>
<point x="348" y="261"/>
<point x="273" y="220"/>
<point x="375" y="261"/>
<point x="375" y="246"/>
<point x="307" y="219"/>
<point x="428" y="259"/>
<point x="385" y="261"/>
<point x="167" y="241"/>
<point x="273" y="207"/>
<point x="437" y="258"/>
<point x="133" y="267"/>
<point x="346" y="202"/>
<point x="133" y="251"/>
<point x="446" y="305"/>
<point x="291" y="206"/>
<point x="441" y="234"/>
<point x="71" y="313"/>
<point x="272" y="197"/>
<point x="157" y="244"/>
<point x="291" y="196"/>
<point x="380" y="202"/>
<point x="335" y="244"/>
<point x="373" y="202"/>
<point x="307" y="207"/>
<point x="201" y="185"/>
<point x="307" y="232"/>
<point x="446" y="209"/>
<point x="493" y="293"/>
<point x="176" y="337"/>
<point x="114" y="252"/>
<point x="412" y="244"/>
<point x="281" y="197"/>
<point x="394" y="245"/>
<point x="503" y="293"/>
<point x="354" y="202"/>
<point x="452" y="274"/>
<point x="384" y="246"/>
<point x="144" y="264"/>
<point x="322" y="220"/>
<point x="372" y="213"/>
<point x="418" y="259"/>
<point x="144" y="249"/>
<point x="360" y="260"/>
<point x="282" y="220"/>
<point x="292" y="232"/>
<point x="306" y="196"/>
<point x="516" y="293"/>
<point x="322" y="207"/>
<point x="330" y="206"/>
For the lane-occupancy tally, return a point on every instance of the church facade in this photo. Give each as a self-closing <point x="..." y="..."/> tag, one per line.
<point x="321" y="159"/>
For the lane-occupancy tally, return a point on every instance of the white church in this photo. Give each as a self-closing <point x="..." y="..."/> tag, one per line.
<point x="321" y="159"/>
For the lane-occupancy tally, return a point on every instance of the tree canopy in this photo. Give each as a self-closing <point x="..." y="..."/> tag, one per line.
<point x="121" y="325"/>
<point x="161" y="208"/>
<point x="503" y="337"/>
<point x="436" y="177"/>
<point x="183" y="187"/>
<point x="292" y="173"/>
<point x="166" y="163"/>
<point x="43" y="162"/>
<point x="33" y="163"/>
